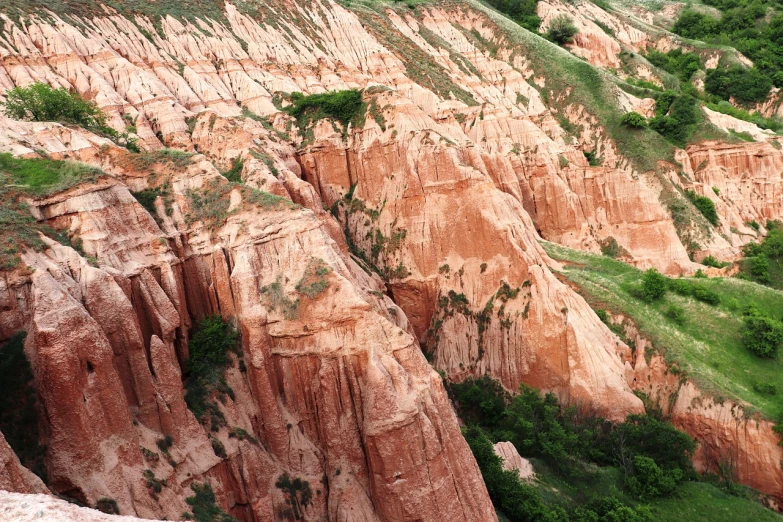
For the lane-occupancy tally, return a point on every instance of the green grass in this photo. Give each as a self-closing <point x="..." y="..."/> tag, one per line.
<point x="696" y="501"/>
<point x="589" y="86"/>
<point x="42" y="177"/>
<point x="703" y="502"/>
<point x="708" y="346"/>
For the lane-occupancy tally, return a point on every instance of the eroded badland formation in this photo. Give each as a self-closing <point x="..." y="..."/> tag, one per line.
<point x="343" y="253"/>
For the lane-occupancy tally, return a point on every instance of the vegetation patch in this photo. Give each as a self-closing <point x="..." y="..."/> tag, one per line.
<point x="203" y="505"/>
<point x="314" y="282"/>
<point x="297" y="494"/>
<point x="345" y="107"/>
<point x="209" y="346"/>
<point x="708" y="346"/>
<point x="763" y="261"/>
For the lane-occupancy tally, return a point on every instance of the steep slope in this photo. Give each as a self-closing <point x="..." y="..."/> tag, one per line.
<point x="421" y="218"/>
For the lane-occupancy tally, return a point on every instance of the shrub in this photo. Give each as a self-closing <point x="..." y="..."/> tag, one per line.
<point x="654" y="285"/>
<point x="766" y="388"/>
<point x="650" y="481"/>
<point x="107" y="505"/>
<point x="234" y="174"/>
<point x="522" y="12"/>
<point x="203" y="505"/>
<point x="680" y="286"/>
<point x="520" y="502"/>
<point x="744" y="85"/>
<point x="209" y="346"/>
<point x="676" y="314"/>
<point x="705" y="295"/>
<point x="634" y="120"/>
<point x="704" y="205"/>
<point x="561" y="30"/>
<point x="611" y="248"/>
<point x="342" y="106"/>
<point x="711" y="261"/>
<point x="39" y="102"/>
<point x="218" y="448"/>
<point x="762" y="335"/>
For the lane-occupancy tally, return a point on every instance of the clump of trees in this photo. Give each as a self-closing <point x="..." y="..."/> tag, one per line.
<point x="653" y="455"/>
<point x="522" y="12"/>
<point x="744" y="25"/>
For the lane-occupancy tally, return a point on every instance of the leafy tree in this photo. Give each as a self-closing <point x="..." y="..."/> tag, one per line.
<point x="654" y="285"/>
<point x="649" y="481"/>
<point x="520" y="502"/>
<point x="634" y="119"/>
<point x="562" y="30"/>
<point x="762" y="335"/>
<point x="653" y="438"/>
<point x="695" y="25"/>
<point x="39" y="102"/>
<point x="343" y="106"/>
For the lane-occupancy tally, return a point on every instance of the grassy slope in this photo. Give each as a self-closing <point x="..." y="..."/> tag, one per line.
<point x="708" y="346"/>
<point x="693" y="501"/>
<point x="592" y="87"/>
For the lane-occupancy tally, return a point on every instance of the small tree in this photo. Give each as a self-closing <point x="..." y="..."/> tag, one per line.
<point x="39" y="102"/>
<point x="654" y="285"/>
<point x="634" y="120"/>
<point x="561" y="30"/>
<point x="763" y="335"/>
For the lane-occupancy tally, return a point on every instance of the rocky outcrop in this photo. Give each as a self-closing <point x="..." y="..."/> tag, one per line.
<point x="14" y="476"/>
<point x="17" y="507"/>
<point x="513" y="461"/>
<point x="422" y="217"/>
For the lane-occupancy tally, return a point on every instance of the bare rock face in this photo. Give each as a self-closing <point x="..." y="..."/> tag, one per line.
<point x="18" y="507"/>
<point x="422" y="218"/>
<point x="513" y="461"/>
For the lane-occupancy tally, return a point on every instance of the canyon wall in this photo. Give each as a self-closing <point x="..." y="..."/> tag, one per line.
<point x="422" y="218"/>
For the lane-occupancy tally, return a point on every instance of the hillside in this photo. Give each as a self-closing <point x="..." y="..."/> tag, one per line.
<point x="240" y="281"/>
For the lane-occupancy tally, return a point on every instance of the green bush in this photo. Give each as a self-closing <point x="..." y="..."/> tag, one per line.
<point x="704" y="205"/>
<point x="204" y="507"/>
<point x="762" y="335"/>
<point x="520" y="502"/>
<point x="209" y="345"/>
<point x="705" y="295"/>
<point x="634" y="120"/>
<point x="744" y="85"/>
<point x="653" y="438"/>
<point x="675" y="62"/>
<point x="39" y="102"/>
<point x="610" y="509"/>
<point x="562" y="30"/>
<point x="711" y="261"/>
<point x="766" y="388"/>
<point x="650" y="481"/>
<point x="107" y="505"/>
<point x="522" y="12"/>
<point x="298" y="494"/>
<point x="676" y="314"/>
<point x="680" y="286"/>
<point x="343" y="106"/>
<point x="654" y="285"/>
